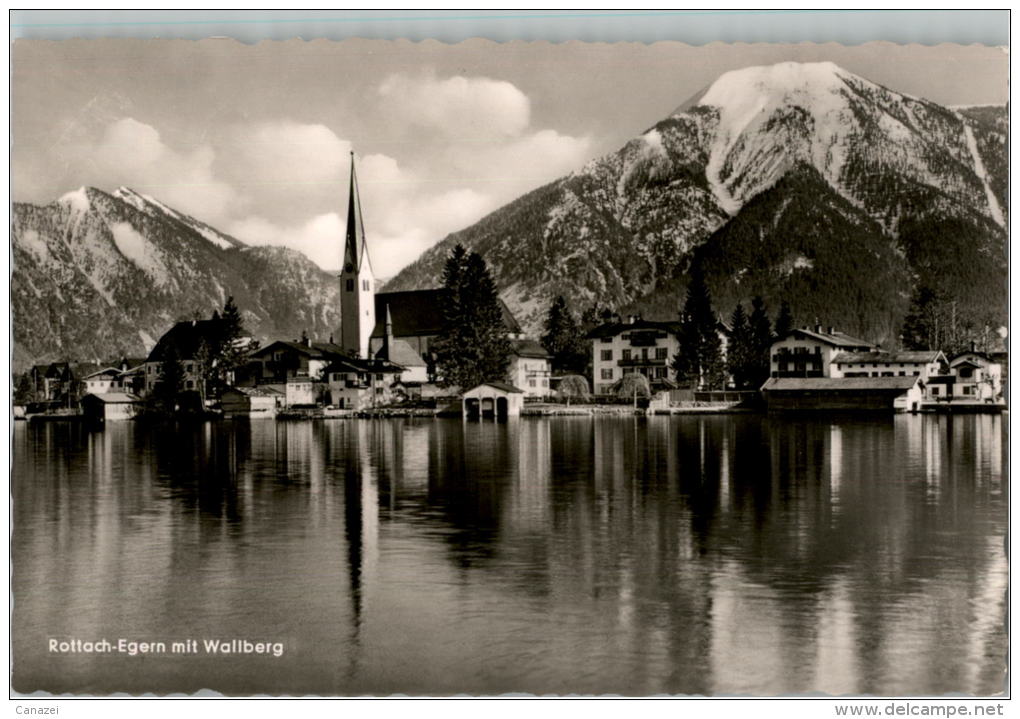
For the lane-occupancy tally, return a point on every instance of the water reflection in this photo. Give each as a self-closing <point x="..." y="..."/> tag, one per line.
<point x="691" y="555"/>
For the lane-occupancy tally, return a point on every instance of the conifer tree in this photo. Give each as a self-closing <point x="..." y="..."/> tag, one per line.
<point x="739" y="356"/>
<point x="761" y="343"/>
<point x="474" y="345"/>
<point x="563" y="338"/>
<point x="170" y="380"/>
<point x="784" y="322"/>
<point x="699" y="362"/>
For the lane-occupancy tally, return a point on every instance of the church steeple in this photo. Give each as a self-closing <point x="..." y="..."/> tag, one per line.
<point x="357" y="284"/>
<point x="355" y="248"/>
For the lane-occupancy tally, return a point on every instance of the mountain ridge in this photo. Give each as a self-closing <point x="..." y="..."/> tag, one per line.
<point x="636" y="217"/>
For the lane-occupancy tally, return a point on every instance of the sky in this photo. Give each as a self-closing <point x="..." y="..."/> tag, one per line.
<point x="255" y="140"/>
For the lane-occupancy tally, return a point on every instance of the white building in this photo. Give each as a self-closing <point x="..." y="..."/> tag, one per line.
<point x="103" y="381"/>
<point x="923" y="364"/>
<point x="808" y="352"/>
<point x="530" y="368"/>
<point x="978" y="377"/>
<point x="636" y="346"/>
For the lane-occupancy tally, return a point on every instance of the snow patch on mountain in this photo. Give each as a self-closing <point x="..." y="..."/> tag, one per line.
<point x="979" y="168"/>
<point x="78" y="200"/>
<point x="140" y="251"/>
<point x="151" y="206"/>
<point x="31" y="241"/>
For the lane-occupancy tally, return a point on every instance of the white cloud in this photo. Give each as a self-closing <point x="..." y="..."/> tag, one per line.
<point x="133" y="153"/>
<point x="284" y="155"/>
<point x="320" y="238"/>
<point x="465" y="107"/>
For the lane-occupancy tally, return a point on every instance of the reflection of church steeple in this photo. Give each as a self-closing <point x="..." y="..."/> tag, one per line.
<point x="353" y="534"/>
<point x="357" y="284"/>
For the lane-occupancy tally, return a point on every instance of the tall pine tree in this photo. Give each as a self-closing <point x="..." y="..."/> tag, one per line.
<point x="784" y="322"/>
<point x="474" y="344"/>
<point x="761" y="343"/>
<point x="563" y="339"/>
<point x="699" y="361"/>
<point x="740" y="353"/>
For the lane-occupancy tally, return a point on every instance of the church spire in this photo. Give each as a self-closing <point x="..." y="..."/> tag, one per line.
<point x="355" y="249"/>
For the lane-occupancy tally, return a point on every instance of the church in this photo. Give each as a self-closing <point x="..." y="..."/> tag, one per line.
<point x="399" y="327"/>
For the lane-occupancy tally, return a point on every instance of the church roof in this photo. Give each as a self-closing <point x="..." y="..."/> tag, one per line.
<point x="419" y="313"/>
<point x="400" y="353"/>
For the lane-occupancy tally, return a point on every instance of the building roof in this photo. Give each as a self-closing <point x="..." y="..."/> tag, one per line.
<point x="611" y="329"/>
<point x="114" y="398"/>
<point x="916" y="357"/>
<point x="186" y="337"/>
<point x="964" y="356"/>
<point x="835" y="338"/>
<point x="530" y="348"/>
<point x="839" y="384"/>
<point x="401" y="353"/>
<point x="419" y="313"/>
<point x="254" y="391"/>
<point x="502" y="386"/>
<point x="357" y="364"/>
<point x="112" y="371"/>
<point x="312" y="350"/>
<point x="355" y="245"/>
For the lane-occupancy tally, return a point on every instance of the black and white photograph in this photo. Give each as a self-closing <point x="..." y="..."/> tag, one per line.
<point x="379" y="367"/>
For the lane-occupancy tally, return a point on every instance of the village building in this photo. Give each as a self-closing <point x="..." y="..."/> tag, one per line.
<point x="531" y="368"/>
<point x="54" y="382"/>
<point x="186" y="339"/>
<point x="282" y="360"/>
<point x="923" y="364"/>
<point x="808" y="352"/>
<point x="103" y="381"/>
<point x="354" y="383"/>
<point x="884" y="394"/>
<point x="973" y="376"/>
<point x="416" y="318"/>
<point x="250" y="402"/>
<point x="110" y="406"/>
<point x="635" y="346"/>
<point x="496" y="400"/>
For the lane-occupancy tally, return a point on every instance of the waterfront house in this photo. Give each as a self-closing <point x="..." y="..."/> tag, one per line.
<point x="103" y="381"/>
<point x="250" y="402"/>
<point x="808" y="352"/>
<point x="635" y="346"/>
<point x="888" y="394"/>
<point x="531" y="368"/>
<point x="110" y="406"/>
<point x="52" y="382"/>
<point x="923" y="364"/>
<point x="187" y="340"/>
<point x="355" y="383"/>
<point x="977" y="376"/>
<point x="492" y="399"/>
<point x="303" y="392"/>
<point x="282" y="360"/>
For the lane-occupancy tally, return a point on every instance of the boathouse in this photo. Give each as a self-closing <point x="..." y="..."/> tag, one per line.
<point x="496" y="400"/>
<point x="883" y="394"/>
<point x="110" y="406"/>
<point x="250" y="403"/>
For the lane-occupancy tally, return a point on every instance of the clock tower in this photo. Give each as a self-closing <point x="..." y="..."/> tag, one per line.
<point x="357" y="284"/>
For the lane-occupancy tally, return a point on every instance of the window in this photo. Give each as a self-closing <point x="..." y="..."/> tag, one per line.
<point x="350" y="285"/>
<point x="189" y="384"/>
<point x="364" y="285"/>
<point x="545" y="383"/>
<point x="607" y="373"/>
<point x="660" y="353"/>
<point x="189" y="367"/>
<point x="379" y="378"/>
<point x="531" y="383"/>
<point x="626" y="354"/>
<point x="965" y="372"/>
<point x="934" y="391"/>
<point x="607" y="355"/>
<point x="968" y="389"/>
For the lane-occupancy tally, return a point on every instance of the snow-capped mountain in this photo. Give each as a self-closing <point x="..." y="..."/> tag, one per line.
<point x="797" y="181"/>
<point x="98" y="275"/>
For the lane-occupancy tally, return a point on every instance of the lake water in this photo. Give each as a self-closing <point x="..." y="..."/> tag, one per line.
<point x="697" y="555"/>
